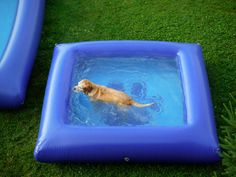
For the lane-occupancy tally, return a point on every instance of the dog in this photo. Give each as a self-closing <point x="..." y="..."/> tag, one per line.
<point x="105" y="94"/>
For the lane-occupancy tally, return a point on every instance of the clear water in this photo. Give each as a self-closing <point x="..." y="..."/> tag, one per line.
<point x="146" y="80"/>
<point x="8" y="9"/>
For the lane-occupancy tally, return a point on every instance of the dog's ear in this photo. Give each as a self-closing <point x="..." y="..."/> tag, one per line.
<point x="87" y="89"/>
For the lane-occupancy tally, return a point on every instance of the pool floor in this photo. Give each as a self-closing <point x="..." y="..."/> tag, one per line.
<point x="146" y="80"/>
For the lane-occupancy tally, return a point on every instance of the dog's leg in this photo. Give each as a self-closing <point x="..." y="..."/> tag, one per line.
<point x="123" y="107"/>
<point x="92" y="99"/>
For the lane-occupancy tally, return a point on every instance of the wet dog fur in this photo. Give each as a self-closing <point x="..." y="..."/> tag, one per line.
<point x="101" y="93"/>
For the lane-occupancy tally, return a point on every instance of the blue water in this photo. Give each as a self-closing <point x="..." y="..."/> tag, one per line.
<point x="146" y="80"/>
<point x="8" y="9"/>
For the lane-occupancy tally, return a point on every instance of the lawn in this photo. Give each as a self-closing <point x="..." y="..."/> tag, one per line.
<point x="212" y="23"/>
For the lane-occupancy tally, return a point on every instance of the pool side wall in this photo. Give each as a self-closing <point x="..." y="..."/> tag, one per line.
<point x="19" y="55"/>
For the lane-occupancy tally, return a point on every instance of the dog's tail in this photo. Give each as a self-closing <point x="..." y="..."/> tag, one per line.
<point x="134" y="103"/>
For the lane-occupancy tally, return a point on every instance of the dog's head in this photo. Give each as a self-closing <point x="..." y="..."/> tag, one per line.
<point x="84" y="86"/>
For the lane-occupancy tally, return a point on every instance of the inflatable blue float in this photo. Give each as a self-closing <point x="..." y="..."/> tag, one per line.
<point x="178" y="127"/>
<point x="20" y="23"/>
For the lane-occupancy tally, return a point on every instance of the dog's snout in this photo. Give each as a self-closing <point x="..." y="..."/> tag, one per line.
<point x="77" y="89"/>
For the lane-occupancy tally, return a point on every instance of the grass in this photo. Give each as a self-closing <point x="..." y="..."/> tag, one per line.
<point x="228" y="138"/>
<point x="210" y="23"/>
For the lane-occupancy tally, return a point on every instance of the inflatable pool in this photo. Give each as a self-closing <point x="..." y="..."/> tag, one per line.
<point x="20" y="23"/>
<point x="178" y="127"/>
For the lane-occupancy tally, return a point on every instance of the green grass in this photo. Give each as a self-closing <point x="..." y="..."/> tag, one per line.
<point x="210" y="23"/>
<point x="228" y="138"/>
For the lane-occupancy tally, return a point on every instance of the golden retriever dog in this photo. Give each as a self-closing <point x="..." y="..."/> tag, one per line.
<point x="105" y="94"/>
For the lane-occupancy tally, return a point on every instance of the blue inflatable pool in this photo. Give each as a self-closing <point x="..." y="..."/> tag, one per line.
<point x="178" y="127"/>
<point x="20" y="24"/>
